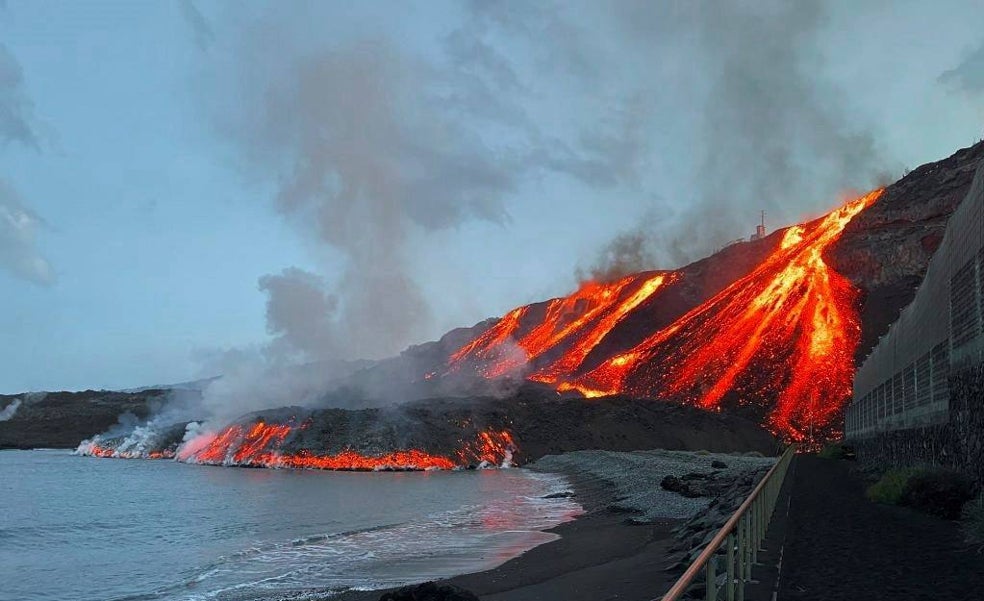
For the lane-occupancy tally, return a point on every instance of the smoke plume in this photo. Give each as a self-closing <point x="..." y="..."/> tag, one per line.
<point x="19" y="229"/>
<point x="365" y="156"/>
<point x="10" y="410"/>
<point x="16" y="109"/>
<point x="771" y="133"/>
<point x="630" y="251"/>
<point x="200" y="28"/>
<point x="370" y="145"/>
<point x="968" y="76"/>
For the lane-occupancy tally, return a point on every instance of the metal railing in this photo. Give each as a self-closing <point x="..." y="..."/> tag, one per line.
<point x="740" y="538"/>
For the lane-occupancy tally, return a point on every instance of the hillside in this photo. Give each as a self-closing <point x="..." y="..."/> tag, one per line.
<point x="769" y="330"/>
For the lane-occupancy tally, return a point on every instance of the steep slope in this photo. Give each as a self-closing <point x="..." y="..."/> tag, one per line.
<point x="772" y="329"/>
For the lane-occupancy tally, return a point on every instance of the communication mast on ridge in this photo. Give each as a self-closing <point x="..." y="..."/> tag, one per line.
<point x="759" y="230"/>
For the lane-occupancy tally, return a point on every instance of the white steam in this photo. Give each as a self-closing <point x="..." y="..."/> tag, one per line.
<point x="10" y="410"/>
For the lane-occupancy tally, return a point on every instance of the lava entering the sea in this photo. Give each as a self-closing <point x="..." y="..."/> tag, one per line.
<point x="93" y="449"/>
<point x="262" y="445"/>
<point x="781" y="338"/>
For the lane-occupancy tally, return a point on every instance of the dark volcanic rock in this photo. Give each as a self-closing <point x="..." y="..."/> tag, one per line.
<point x="697" y="532"/>
<point x="64" y="419"/>
<point x="695" y="485"/>
<point x="567" y="494"/>
<point x="541" y="422"/>
<point x="429" y="591"/>
<point x="885" y="250"/>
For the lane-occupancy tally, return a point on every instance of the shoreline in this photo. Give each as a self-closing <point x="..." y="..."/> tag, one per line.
<point x="614" y="550"/>
<point x="620" y="547"/>
<point x="598" y="555"/>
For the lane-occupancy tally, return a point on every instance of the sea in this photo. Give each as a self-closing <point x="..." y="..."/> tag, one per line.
<point x="83" y="528"/>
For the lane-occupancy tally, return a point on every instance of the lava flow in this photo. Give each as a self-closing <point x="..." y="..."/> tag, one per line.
<point x="572" y="325"/>
<point x="783" y="337"/>
<point x="261" y="445"/>
<point x="94" y="449"/>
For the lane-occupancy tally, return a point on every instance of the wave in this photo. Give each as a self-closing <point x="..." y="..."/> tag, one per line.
<point x="471" y="537"/>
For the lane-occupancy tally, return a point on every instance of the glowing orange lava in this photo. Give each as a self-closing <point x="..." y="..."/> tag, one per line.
<point x="786" y="331"/>
<point x="572" y="325"/>
<point x="97" y="450"/>
<point x="260" y="445"/>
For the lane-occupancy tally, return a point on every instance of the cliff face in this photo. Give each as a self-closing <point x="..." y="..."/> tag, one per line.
<point x="886" y="249"/>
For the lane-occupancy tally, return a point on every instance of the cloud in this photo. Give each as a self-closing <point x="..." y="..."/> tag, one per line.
<point x="19" y="227"/>
<point x="16" y="109"/>
<point x="968" y="76"/>
<point x="201" y="30"/>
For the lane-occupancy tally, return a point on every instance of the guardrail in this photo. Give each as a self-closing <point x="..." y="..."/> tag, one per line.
<point x="740" y="538"/>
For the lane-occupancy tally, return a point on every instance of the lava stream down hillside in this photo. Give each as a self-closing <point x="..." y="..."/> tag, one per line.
<point x="574" y="324"/>
<point x="779" y="341"/>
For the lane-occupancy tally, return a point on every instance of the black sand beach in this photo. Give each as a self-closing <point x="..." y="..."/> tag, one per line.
<point x="605" y="554"/>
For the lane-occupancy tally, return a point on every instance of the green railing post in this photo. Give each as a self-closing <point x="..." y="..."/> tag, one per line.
<point x="756" y="527"/>
<point x="711" y="588"/>
<point x="730" y="558"/>
<point x="748" y="551"/>
<point x="742" y="555"/>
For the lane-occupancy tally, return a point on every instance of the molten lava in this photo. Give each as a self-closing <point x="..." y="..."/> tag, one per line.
<point x="781" y="338"/>
<point x="785" y="332"/>
<point x="572" y="325"/>
<point x="94" y="449"/>
<point x="261" y="445"/>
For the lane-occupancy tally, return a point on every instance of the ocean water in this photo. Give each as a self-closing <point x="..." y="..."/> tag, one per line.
<point x="82" y="528"/>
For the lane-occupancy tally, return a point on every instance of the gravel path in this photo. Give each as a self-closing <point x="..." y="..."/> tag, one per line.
<point x="839" y="545"/>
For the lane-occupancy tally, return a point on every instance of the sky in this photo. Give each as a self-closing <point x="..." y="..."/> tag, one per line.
<point x="184" y="184"/>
